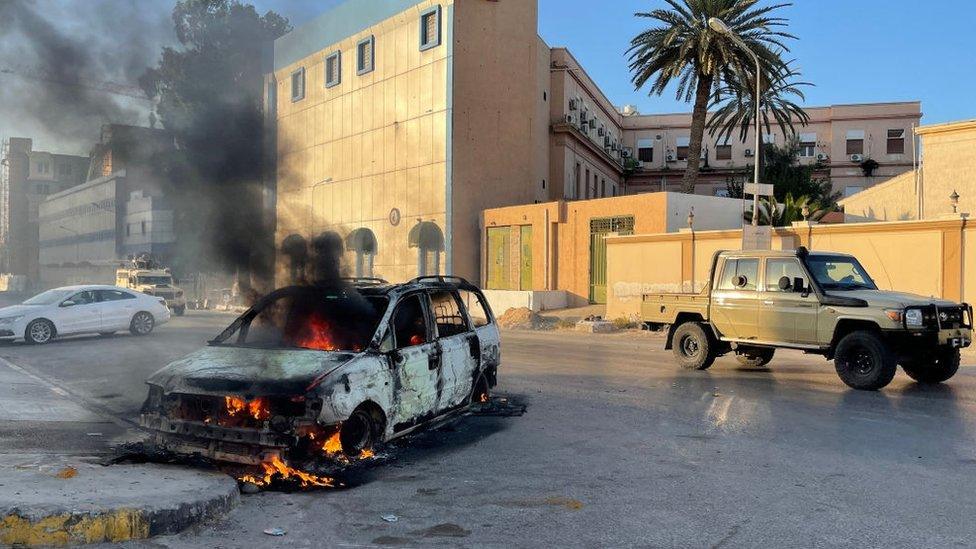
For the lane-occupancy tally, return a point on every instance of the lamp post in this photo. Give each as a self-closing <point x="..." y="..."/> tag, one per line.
<point x="720" y="27"/>
<point x="954" y="200"/>
<point x="691" y="227"/>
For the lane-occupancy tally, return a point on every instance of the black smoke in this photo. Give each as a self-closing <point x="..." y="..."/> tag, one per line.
<point x="68" y="67"/>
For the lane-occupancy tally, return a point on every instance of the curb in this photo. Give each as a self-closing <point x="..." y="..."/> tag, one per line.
<point x="51" y="506"/>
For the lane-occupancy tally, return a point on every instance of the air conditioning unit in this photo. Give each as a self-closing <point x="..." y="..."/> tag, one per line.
<point x="642" y="165"/>
<point x="625" y="152"/>
<point x="671" y="157"/>
<point x="822" y="157"/>
<point x="573" y="104"/>
<point x="570" y="119"/>
<point x="749" y="153"/>
<point x="857" y="159"/>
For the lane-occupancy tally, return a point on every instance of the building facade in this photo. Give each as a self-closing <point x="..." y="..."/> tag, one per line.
<point x="28" y="177"/>
<point x="397" y="123"/>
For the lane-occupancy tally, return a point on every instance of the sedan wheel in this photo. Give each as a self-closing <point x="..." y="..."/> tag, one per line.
<point x="39" y="332"/>
<point x="142" y="323"/>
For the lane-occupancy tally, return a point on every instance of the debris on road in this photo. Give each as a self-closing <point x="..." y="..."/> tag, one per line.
<point x="390" y="518"/>
<point x="521" y="318"/>
<point x="276" y="532"/>
<point x="67" y="472"/>
<point x="499" y="407"/>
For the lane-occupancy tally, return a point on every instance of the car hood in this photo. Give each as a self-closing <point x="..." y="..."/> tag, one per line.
<point x="18" y="310"/>
<point x="247" y="372"/>
<point x="882" y="298"/>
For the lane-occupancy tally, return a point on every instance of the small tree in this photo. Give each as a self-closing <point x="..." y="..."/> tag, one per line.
<point x="791" y="210"/>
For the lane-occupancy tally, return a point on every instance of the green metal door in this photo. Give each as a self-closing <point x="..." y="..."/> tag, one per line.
<point x="525" y="278"/>
<point x="498" y="258"/>
<point x="599" y="229"/>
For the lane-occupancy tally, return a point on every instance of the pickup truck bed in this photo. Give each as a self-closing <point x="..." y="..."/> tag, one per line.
<point x="664" y="308"/>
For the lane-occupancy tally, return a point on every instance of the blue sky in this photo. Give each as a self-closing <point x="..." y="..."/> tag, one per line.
<point x="855" y="51"/>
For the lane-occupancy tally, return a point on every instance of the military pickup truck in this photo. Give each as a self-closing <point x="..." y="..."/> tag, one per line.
<point x="818" y="302"/>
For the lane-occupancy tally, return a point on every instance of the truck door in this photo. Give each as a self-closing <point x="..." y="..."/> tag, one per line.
<point x="786" y="315"/>
<point x="735" y="307"/>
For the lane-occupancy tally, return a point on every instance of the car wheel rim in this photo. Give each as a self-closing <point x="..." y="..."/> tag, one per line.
<point x="40" y="332"/>
<point x="690" y="346"/>
<point x="143" y="323"/>
<point x="862" y="362"/>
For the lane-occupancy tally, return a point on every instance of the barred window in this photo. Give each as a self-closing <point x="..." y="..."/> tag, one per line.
<point x="365" y="57"/>
<point x="333" y="69"/>
<point x="298" y="85"/>
<point x="430" y="28"/>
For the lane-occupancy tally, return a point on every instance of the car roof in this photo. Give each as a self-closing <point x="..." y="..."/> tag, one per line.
<point x="83" y="287"/>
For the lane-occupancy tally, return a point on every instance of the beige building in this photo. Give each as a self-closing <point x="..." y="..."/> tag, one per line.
<point x="399" y="122"/>
<point x="948" y="166"/>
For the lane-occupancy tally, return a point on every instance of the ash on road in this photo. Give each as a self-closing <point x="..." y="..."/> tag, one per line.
<point x="618" y="448"/>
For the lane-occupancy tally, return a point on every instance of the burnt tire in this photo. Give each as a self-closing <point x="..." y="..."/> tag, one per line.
<point x="358" y="432"/>
<point x="941" y="369"/>
<point x="864" y="361"/>
<point x="39" y="332"/>
<point x="693" y="347"/>
<point x="142" y="323"/>
<point x="755" y="358"/>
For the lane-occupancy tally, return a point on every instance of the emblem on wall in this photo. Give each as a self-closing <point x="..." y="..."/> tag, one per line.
<point x="395" y="217"/>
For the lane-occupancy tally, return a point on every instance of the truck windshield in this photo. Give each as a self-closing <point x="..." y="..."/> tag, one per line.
<point x="839" y="273"/>
<point x="308" y="318"/>
<point x="154" y="280"/>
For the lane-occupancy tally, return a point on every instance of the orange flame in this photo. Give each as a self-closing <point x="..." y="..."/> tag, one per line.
<point x="332" y="446"/>
<point x="316" y="334"/>
<point x="483" y="398"/>
<point x="278" y="468"/>
<point x="258" y="408"/>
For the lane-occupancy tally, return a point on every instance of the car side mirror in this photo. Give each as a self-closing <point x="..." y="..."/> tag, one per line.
<point x="785" y="284"/>
<point x="740" y="281"/>
<point x="68" y="303"/>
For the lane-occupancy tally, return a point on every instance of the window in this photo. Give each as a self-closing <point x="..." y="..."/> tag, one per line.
<point x="80" y="298"/>
<point x="645" y="150"/>
<point x="430" y="28"/>
<point x="298" y="85"/>
<point x="476" y="308"/>
<point x="682" y="145"/>
<point x="808" y="145"/>
<point x="333" y="69"/>
<point x="410" y="323"/>
<point x="586" y="184"/>
<point x="682" y="152"/>
<point x="748" y="268"/>
<point x="143" y="227"/>
<point x="896" y="141"/>
<point x="855" y="142"/>
<point x="365" y="58"/>
<point x="448" y="316"/>
<point x="839" y="273"/>
<point x="778" y="268"/>
<point x="113" y="295"/>
<point x="723" y="152"/>
<point x="603" y="188"/>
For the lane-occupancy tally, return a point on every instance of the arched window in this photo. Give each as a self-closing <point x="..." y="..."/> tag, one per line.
<point x="363" y="242"/>
<point x="295" y="248"/>
<point x="427" y="237"/>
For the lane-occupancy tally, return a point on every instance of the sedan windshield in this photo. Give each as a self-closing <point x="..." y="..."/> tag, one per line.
<point x="839" y="273"/>
<point x="308" y="318"/>
<point x="49" y="297"/>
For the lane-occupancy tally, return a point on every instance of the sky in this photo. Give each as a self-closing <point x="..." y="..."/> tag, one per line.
<point x="854" y="51"/>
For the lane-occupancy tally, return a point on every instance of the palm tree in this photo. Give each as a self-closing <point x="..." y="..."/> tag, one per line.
<point x="782" y="215"/>
<point x="733" y="105"/>
<point x="683" y="48"/>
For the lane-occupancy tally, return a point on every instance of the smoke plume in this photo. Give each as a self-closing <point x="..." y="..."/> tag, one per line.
<point x="67" y="67"/>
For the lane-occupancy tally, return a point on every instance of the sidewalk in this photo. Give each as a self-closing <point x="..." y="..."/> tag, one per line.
<point x="53" y="490"/>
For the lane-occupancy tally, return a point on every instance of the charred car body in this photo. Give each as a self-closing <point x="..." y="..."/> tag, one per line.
<point x="312" y="371"/>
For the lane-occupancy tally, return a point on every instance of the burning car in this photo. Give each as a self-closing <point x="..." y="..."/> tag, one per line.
<point x="314" y="371"/>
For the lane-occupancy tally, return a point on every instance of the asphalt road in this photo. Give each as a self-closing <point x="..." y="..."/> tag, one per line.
<point x="618" y="449"/>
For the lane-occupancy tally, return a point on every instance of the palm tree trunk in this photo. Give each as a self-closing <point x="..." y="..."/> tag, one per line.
<point x="703" y="93"/>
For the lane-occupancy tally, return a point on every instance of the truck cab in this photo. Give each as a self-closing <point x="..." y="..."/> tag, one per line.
<point x="143" y="275"/>
<point x="818" y="302"/>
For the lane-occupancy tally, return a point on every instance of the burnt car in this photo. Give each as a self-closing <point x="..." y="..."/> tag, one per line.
<point x="316" y="371"/>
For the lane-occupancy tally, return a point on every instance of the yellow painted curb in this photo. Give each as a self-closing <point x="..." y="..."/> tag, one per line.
<point x="72" y="529"/>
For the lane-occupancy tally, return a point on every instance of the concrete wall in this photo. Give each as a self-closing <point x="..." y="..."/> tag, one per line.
<point x="893" y="200"/>
<point x="73" y="229"/>
<point x="949" y="165"/>
<point x="942" y="256"/>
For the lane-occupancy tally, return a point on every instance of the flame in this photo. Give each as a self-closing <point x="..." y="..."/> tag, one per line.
<point x="258" y="408"/>
<point x="367" y="453"/>
<point x="332" y="446"/>
<point x="316" y="334"/>
<point x="278" y="468"/>
<point x="483" y="398"/>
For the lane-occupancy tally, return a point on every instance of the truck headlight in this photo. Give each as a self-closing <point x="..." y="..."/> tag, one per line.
<point x="913" y="318"/>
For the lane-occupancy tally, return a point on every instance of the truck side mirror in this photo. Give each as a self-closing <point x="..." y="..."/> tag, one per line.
<point x="785" y="284"/>
<point x="799" y="286"/>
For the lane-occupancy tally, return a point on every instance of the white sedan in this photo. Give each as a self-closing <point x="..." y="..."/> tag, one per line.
<point x="82" y="310"/>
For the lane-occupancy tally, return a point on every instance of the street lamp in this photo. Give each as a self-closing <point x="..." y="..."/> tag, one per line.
<point x="720" y="27"/>
<point x="954" y="200"/>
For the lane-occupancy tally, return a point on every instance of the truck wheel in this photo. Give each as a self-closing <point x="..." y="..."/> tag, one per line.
<point x="864" y="361"/>
<point x="179" y="311"/>
<point x="755" y="358"/>
<point x="693" y="348"/>
<point x="945" y="365"/>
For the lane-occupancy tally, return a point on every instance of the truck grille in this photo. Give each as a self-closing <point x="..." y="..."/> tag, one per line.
<point x="952" y="317"/>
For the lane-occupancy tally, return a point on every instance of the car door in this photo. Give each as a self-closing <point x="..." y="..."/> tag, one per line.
<point x="487" y="341"/>
<point x="457" y="344"/>
<point x="117" y="308"/>
<point x="735" y="299"/>
<point x="78" y="313"/>
<point x="416" y="360"/>
<point x="787" y="315"/>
